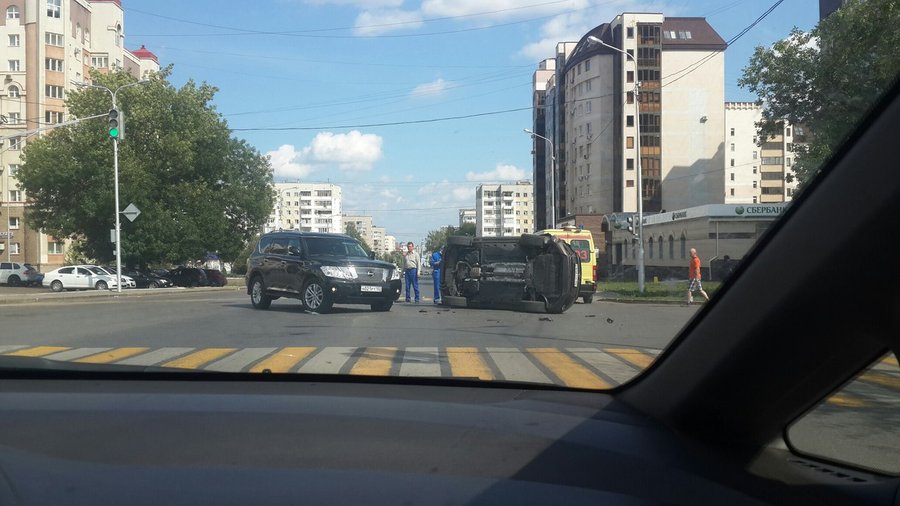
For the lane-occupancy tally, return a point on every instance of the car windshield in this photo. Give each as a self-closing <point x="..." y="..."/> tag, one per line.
<point x="335" y="247"/>
<point x="437" y="137"/>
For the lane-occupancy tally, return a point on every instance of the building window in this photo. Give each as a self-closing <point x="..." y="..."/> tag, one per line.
<point x="732" y="162"/>
<point x="630" y="32"/>
<point x="15" y="195"/>
<point x="732" y="176"/>
<point x="629" y="97"/>
<point x="15" y="143"/>
<point x="754" y="199"/>
<point x="629" y="183"/>
<point x="14" y="40"/>
<point x="683" y="242"/>
<point x="13" y="92"/>
<point x="754" y="169"/>
<point x="53" y="117"/>
<point x="671" y="248"/>
<point x="13" y="169"/>
<point x="732" y="132"/>
<point x="629" y="163"/>
<point x="790" y="146"/>
<point x="732" y="192"/>
<point x="587" y="65"/>
<point x="629" y="142"/>
<point x="14" y="118"/>
<point x="660" y="243"/>
<point x="53" y="64"/>
<point x="579" y="69"/>
<point x="754" y="183"/>
<point x="14" y="248"/>
<point x="629" y="76"/>
<point x="629" y="120"/>
<point x="12" y="12"/>
<point x="53" y="91"/>
<point x="53" y="8"/>
<point x="13" y="65"/>
<point x="650" y="249"/>
<point x="732" y="147"/>
<point x="54" y="39"/>
<point x="99" y="62"/>
<point x="754" y="155"/>
<point x="787" y="161"/>
<point x="787" y="131"/>
<point x="14" y="223"/>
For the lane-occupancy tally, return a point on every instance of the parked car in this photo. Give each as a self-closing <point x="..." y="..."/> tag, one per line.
<point x="127" y="282"/>
<point x="215" y="277"/>
<point x="143" y="279"/>
<point x="35" y="277"/>
<point x="15" y="274"/>
<point x="528" y="273"/>
<point x="78" y="277"/>
<point x="320" y="270"/>
<point x="188" y="276"/>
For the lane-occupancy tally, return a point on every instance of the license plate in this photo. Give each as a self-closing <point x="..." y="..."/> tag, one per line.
<point x="369" y="288"/>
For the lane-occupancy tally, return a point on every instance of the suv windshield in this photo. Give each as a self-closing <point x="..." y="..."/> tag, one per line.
<point x="335" y="247"/>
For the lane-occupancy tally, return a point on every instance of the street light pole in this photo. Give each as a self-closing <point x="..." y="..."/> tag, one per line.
<point x="115" y="141"/>
<point x="637" y="144"/>
<point x="552" y="177"/>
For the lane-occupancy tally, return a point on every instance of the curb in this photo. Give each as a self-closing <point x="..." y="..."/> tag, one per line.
<point x="86" y="295"/>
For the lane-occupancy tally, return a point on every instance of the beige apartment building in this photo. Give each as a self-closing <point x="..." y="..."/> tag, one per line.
<point x="504" y="209"/>
<point x="467" y="215"/>
<point x="309" y="207"/>
<point x="365" y="225"/>
<point x="46" y="45"/>
<point x="601" y="131"/>
<point x="757" y="172"/>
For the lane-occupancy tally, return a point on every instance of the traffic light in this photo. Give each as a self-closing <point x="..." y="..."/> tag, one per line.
<point x="116" y="124"/>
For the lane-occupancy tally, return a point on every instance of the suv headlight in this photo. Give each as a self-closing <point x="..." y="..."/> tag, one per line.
<point x="395" y="274"/>
<point x="339" y="272"/>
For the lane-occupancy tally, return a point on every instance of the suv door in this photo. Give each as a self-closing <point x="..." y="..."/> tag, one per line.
<point x="273" y="263"/>
<point x="294" y="266"/>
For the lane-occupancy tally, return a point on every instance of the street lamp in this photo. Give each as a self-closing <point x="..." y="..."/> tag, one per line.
<point x="115" y="141"/>
<point x="552" y="176"/>
<point x="640" y="191"/>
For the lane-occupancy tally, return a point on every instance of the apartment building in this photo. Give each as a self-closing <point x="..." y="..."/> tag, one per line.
<point x="757" y="172"/>
<point x="467" y="216"/>
<point x="504" y="209"/>
<point x="309" y="207"/>
<point x="598" y="123"/>
<point x="46" y="45"/>
<point x="365" y="225"/>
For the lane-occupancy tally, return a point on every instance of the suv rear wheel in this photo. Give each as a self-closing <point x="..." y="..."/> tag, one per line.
<point x="258" y="296"/>
<point x="13" y="280"/>
<point x="315" y="298"/>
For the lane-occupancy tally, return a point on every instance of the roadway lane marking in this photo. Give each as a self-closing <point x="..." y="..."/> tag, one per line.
<point x="283" y="360"/>
<point x="516" y="366"/>
<point x="328" y="360"/>
<point x="11" y="347"/>
<point x="199" y="358"/>
<point x="632" y="356"/>
<point x="239" y="360"/>
<point x="112" y="355"/>
<point x="38" y="351"/>
<point x="846" y="401"/>
<point x="374" y="362"/>
<point x="467" y="363"/>
<point x="570" y="372"/>
<point x="606" y="364"/>
<point x="884" y="380"/>
<point x="75" y="353"/>
<point x="156" y="356"/>
<point x="421" y="362"/>
<point x="888" y="363"/>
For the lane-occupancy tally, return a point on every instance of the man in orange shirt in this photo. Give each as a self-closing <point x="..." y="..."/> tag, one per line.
<point x="694" y="278"/>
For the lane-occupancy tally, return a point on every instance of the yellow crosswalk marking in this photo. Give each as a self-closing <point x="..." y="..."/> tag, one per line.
<point x="890" y="360"/>
<point x="567" y="369"/>
<point x="375" y="362"/>
<point x="38" y="351"/>
<point x="845" y="401"/>
<point x="467" y="363"/>
<point x="198" y="358"/>
<point x="881" y="379"/>
<point x="111" y="356"/>
<point x="633" y="356"/>
<point x="282" y="361"/>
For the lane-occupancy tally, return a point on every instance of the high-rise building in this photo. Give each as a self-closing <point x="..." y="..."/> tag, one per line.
<point x="595" y="117"/>
<point x="364" y="225"/>
<point x="504" y="209"/>
<point x="467" y="216"/>
<point x="47" y="45"/>
<point x="756" y="172"/>
<point x="309" y="207"/>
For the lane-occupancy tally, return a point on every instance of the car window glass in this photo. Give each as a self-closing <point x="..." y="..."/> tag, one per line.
<point x="278" y="246"/>
<point x="17" y="266"/>
<point x="5" y="265"/>
<point x="66" y="270"/>
<point x="294" y="246"/>
<point x="83" y="272"/>
<point x="264" y="244"/>
<point x="858" y="424"/>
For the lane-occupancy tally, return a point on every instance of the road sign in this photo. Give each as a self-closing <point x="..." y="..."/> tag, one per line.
<point x="131" y="212"/>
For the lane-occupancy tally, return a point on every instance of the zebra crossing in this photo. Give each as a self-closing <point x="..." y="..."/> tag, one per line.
<point x="599" y="367"/>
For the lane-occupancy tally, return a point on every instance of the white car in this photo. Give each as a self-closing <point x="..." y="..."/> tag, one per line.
<point x="127" y="281"/>
<point x="14" y="274"/>
<point x="78" y="277"/>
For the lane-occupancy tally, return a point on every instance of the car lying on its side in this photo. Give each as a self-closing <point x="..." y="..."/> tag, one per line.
<point x="535" y="273"/>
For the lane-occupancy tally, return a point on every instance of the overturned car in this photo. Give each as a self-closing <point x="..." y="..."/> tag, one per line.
<point x="534" y="273"/>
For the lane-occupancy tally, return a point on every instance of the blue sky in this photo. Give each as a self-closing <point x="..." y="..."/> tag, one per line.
<point x="331" y="67"/>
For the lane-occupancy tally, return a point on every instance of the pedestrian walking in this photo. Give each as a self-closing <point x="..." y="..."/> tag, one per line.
<point x="694" y="278"/>
<point x="411" y="271"/>
<point x="435" y="263"/>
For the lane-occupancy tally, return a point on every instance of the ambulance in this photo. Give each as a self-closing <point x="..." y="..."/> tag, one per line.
<point x="583" y="243"/>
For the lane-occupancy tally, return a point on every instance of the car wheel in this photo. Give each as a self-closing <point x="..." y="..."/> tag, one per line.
<point x="459" y="240"/>
<point x="452" y="301"/>
<point x="315" y="298"/>
<point x="153" y="284"/>
<point x="193" y="284"/>
<point x="101" y="285"/>
<point x="258" y="296"/>
<point x="588" y="299"/>
<point x="13" y="280"/>
<point x="56" y="286"/>
<point x="383" y="306"/>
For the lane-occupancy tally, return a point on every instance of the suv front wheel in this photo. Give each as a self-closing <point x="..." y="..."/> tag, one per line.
<point x="258" y="296"/>
<point x="315" y="298"/>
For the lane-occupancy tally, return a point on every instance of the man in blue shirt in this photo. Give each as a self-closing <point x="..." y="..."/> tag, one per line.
<point x="435" y="263"/>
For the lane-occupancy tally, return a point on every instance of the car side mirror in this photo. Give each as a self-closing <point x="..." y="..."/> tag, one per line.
<point x="371" y="255"/>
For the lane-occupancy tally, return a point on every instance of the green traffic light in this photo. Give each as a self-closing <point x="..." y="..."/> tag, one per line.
<point x="114" y="132"/>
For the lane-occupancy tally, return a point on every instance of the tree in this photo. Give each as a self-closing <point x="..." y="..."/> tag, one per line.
<point x="351" y="230"/>
<point x="826" y="79"/>
<point x="199" y="189"/>
<point x="437" y="238"/>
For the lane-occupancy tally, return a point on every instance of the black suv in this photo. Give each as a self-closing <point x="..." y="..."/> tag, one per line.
<point x="534" y="273"/>
<point x="320" y="270"/>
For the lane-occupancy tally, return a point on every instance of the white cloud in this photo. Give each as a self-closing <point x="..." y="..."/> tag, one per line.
<point x="497" y="9"/>
<point x="362" y="4"/>
<point x="434" y="88"/>
<point x="502" y="172"/>
<point x="285" y="163"/>
<point x="382" y="21"/>
<point x="350" y="151"/>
